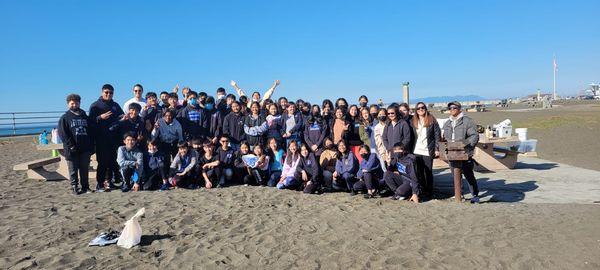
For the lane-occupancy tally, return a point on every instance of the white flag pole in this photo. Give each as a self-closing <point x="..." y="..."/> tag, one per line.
<point x="554" y="77"/>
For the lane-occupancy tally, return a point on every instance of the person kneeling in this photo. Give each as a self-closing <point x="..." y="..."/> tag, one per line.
<point x="130" y="160"/>
<point x="182" y="166"/>
<point x="209" y="165"/>
<point x="308" y="170"/>
<point x="155" y="170"/>
<point x="400" y="175"/>
<point x="369" y="173"/>
<point x="346" y="168"/>
<point x="258" y="173"/>
<point x="288" y="179"/>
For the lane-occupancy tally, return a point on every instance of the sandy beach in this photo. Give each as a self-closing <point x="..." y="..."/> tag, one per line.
<point x="43" y="226"/>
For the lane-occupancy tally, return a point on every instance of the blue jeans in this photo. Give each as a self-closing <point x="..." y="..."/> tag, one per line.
<point x="289" y="183"/>
<point x="274" y="178"/>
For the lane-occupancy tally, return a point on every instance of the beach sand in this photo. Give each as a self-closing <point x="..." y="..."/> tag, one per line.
<point x="43" y="226"/>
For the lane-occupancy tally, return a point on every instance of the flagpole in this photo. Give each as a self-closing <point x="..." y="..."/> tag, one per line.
<point x="554" y="77"/>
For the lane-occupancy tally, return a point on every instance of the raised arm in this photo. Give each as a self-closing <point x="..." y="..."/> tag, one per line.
<point x="269" y="92"/>
<point x="175" y="89"/>
<point x="239" y="91"/>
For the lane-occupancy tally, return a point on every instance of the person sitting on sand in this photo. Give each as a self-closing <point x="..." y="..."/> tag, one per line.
<point x="226" y="158"/>
<point x="208" y="163"/>
<point x="277" y="156"/>
<point x="346" y="167"/>
<point x="288" y="179"/>
<point x="240" y="170"/>
<point x="78" y="143"/>
<point x="131" y="162"/>
<point x="327" y="162"/>
<point x="369" y="173"/>
<point x="308" y="170"/>
<point x="155" y="170"/>
<point x="182" y="166"/>
<point x="259" y="174"/>
<point x="400" y="174"/>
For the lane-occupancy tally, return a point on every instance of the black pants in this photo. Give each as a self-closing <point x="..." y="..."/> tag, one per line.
<point x="257" y="177"/>
<point x="399" y="184"/>
<point x="169" y="149"/>
<point x="467" y="170"/>
<point x="424" y="172"/>
<point x="214" y="176"/>
<point x="153" y="178"/>
<point x="315" y="182"/>
<point x="369" y="180"/>
<point x="106" y="154"/>
<point x="79" y="166"/>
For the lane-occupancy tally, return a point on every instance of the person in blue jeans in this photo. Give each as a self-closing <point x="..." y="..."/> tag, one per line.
<point x="288" y="179"/>
<point x="131" y="162"/>
<point x="277" y="158"/>
<point x="346" y="168"/>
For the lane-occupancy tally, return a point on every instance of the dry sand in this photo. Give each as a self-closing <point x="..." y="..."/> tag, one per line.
<point x="43" y="226"/>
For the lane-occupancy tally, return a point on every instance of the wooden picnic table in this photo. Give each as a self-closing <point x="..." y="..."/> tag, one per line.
<point x="63" y="169"/>
<point x="490" y="154"/>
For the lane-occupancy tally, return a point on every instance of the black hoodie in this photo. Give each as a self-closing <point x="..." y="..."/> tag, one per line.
<point x="101" y="127"/>
<point x="75" y="131"/>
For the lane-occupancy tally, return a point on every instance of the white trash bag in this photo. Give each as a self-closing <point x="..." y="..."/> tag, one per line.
<point x="132" y="233"/>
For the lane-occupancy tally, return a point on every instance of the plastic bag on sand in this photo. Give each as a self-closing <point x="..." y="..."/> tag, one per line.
<point x="132" y="233"/>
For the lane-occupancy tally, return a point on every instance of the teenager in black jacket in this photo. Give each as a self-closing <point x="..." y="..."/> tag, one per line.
<point x="308" y="170"/>
<point x="105" y="113"/>
<point x="233" y="126"/>
<point x="78" y="143"/>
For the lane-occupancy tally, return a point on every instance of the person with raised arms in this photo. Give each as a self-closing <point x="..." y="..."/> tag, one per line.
<point x="256" y="95"/>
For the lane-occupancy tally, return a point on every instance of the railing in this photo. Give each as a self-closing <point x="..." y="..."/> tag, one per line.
<point x="24" y="123"/>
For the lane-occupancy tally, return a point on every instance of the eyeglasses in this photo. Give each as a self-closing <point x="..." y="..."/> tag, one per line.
<point x="421" y="108"/>
<point x="453" y="108"/>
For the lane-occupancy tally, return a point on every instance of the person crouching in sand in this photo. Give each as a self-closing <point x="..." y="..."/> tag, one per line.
<point x="400" y="175"/>
<point x="308" y="170"/>
<point x="182" y="166"/>
<point x="346" y="167"/>
<point x="288" y="179"/>
<point x="131" y="162"/>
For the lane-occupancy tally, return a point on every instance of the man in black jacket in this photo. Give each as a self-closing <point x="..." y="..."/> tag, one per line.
<point x="193" y="118"/>
<point x="104" y="114"/>
<point x="233" y="126"/>
<point x="74" y="130"/>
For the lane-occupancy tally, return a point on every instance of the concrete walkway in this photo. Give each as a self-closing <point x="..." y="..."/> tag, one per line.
<point x="532" y="181"/>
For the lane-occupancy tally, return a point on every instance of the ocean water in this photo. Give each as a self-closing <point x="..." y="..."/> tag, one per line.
<point x="4" y="132"/>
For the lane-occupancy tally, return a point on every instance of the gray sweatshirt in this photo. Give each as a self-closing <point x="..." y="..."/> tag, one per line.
<point x="127" y="158"/>
<point x="168" y="133"/>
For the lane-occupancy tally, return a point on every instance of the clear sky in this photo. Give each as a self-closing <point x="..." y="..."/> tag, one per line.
<point x="317" y="49"/>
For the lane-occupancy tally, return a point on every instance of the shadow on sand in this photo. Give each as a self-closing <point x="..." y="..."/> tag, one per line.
<point x="148" y="239"/>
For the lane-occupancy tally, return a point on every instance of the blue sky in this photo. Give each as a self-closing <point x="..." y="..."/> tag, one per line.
<point x="317" y="49"/>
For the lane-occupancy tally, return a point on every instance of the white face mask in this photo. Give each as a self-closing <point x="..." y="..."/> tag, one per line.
<point x="255" y="100"/>
<point x="152" y="152"/>
<point x="220" y="96"/>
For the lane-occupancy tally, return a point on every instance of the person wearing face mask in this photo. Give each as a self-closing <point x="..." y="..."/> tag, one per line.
<point x="78" y="143"/>
<point x="193" y="119"/>
<point x="373" y="110"/>
<point x="461" y="128"/>
<point x="215" y="123"/>
<point x="363" y="101"/>
<point x="233" y="126"/>
<point x="104" y="113"/>
<point x="405" y="115"/>
<point x="382" y="152"/>
<point x="400" y="175"/>
<point x="315" y="131"/>
<point x="256" y="95"/>
<point x="369" y="172"/>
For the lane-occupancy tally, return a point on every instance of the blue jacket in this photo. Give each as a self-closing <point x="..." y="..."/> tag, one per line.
<point x="346" y="164"/>
<point x="371" y="165"/>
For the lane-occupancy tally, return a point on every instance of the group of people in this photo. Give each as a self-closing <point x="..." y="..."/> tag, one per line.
<point x="196" y="140"/>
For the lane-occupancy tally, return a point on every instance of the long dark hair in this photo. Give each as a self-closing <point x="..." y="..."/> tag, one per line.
<point x="428" y="118"/>
<point x="340" y="155"/>
<point x="312" y="118"/>
<point x="291" y="157"/>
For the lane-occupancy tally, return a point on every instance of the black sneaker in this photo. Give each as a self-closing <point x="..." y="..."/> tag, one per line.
<point x="124" y="188"/>
<point x="74" y="190"/>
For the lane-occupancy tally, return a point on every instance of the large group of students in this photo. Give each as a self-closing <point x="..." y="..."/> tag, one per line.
<point x="167" y="141"/>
